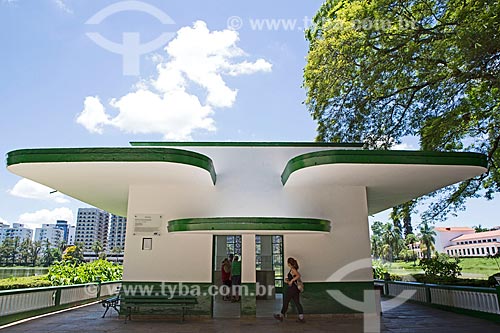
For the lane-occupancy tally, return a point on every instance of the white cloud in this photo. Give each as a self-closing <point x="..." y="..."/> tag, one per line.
<point x="175" y="114"/>
<point x="62" y="5"/>
<point x="196" y="58"/>
<point x="403" y="146"/>
<point x="93" y="116"/>
<point x="26" y="188"/>
<point x="40" y="217"/>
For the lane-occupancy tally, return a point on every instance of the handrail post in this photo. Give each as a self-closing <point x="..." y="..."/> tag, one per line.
<point x="57" y="297"/>
<point x="427" y="294"/>
<point x="498" y="295"/>
<point x="387" y="278"/>
<point x="98" y="287"/>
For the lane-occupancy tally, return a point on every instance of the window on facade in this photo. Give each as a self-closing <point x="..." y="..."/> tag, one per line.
<point x="468" y="252"/>
<point x="482" y="250"/>
<point x="278" y="260"/>
<point x="234" y="245"/>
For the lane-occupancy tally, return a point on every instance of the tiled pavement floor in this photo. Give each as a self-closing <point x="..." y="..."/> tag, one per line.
<point x="406" y="318"/>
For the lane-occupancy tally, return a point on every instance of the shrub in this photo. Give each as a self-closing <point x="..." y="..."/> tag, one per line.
<point x="70" y="272"/>
<point x="379" y="269"/>
<point x="441" y="266"/>
<point x="24" y="282"/>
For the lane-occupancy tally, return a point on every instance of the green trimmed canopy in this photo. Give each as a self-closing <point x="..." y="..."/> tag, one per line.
<point x="239" y="224"/>
<point x="102" y="176"/>
<point x="390" y="177"/>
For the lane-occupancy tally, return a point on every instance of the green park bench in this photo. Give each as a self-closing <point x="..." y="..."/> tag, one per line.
<point x="111" y="302"/>
<point x="134" y="303"/>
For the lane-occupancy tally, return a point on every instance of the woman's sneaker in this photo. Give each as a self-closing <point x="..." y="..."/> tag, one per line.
<point x="278" y="317"/>
<point x="301" y="320"/>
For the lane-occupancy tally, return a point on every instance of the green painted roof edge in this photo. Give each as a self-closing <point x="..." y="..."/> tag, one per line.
<point x="244" y="144"/>
<point x="382" y="157"/>
<point x="70" y="155"/>
<point x="249" y="223"/>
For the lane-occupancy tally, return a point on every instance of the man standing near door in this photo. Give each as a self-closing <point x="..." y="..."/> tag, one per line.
<point x="236" y="278"/>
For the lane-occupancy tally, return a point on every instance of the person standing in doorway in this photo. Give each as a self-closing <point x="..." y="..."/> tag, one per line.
<point x="236" y="278"/>
<point x="226" y="277"/>
<point x="292" y="292"/>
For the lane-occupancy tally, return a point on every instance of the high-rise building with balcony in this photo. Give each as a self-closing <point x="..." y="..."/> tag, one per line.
<point x="116" y="237"/>
<point x="116" y="234"/>
<point x="51" y="233"/>
<point x="64" y="226"/>
<point x="91" y="226"/>
<point x="18" y="230"/>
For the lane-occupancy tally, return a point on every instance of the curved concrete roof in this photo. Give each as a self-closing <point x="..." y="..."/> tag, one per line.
<point x="391" y="177"/>
<point x="101" y="176"/>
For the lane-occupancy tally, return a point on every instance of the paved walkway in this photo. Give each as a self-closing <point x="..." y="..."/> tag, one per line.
<point x="407" y="318"/>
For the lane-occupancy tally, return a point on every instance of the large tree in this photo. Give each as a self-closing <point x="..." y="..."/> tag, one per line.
<point x="380" y="70"/>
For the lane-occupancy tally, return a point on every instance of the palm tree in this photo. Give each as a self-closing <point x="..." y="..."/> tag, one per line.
<point x="392" y="238"/>
<point x="410" y="240"/>
<point x="36" y="247"/>
<point x="427" y="238"/>
<point x="97" y="248"/>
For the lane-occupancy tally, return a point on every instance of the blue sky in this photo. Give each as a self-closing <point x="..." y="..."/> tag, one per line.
<point x="60" y="89"/>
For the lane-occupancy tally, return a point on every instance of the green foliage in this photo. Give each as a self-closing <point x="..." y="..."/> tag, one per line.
<point x="441" y="267"/>
<point x="379" y="269"/>
<point x="386" y="241"/>
<point x="407" y="255"/>
<point x="383" y="69"/>
<point x="70" y="272"/>
<point x="24" y="282"/>
<point x="422" y="278"/>
<point x="479" y="228"/>
<point x="427" y="235"/>
<point x="73" y="253"/>
<point x="14" y="252"/>
<point x="402" y="213"/>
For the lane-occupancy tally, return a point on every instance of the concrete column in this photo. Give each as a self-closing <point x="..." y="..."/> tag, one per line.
<point x="248" y="258"/>
<point x="248" y="276"/>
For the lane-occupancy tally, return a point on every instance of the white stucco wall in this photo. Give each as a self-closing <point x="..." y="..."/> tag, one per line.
<point x="248" y="184"/>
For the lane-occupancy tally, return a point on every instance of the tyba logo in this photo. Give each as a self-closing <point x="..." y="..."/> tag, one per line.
<point x="131" y="48"/>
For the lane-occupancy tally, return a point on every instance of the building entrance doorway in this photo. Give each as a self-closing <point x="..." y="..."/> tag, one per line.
<point x="224" y="248"/>
<point x="269" y="273"/>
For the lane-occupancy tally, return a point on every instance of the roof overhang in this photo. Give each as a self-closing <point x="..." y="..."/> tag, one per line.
<point x="102" y="176"/>
<point x="241" y="225"/>
<point x="390" y="177"/>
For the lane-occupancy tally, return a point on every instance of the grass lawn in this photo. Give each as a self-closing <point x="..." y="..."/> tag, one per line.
<point x="474" y="268"/>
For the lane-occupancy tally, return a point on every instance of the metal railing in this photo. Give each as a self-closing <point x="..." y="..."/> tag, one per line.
<point x="472" y="299"/>
<point x="19" y="304"/>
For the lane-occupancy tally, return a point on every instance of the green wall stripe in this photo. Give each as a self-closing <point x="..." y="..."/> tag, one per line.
<point x="70" y="155"/>
<point x="381" y="157"/>
<point x="249" y="223"/>
<point x="245" y="144"/>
